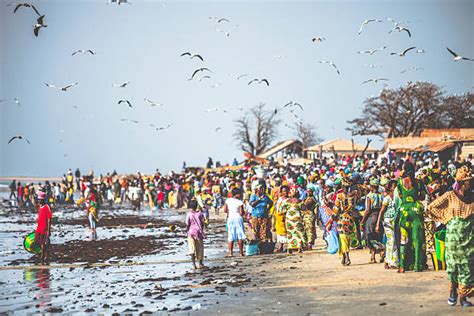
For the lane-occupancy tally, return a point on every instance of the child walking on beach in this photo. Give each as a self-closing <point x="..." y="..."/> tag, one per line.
<point x="195" y="230"/>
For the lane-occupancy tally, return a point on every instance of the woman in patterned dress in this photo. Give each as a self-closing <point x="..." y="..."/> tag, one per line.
<point x="278" y="224"/>
<point x="343" y="214"/>
<point x="373" y="204"/>
<point x="309" y="217"/>
<point x="408" y="196"/>
<point x="456" y="210"/>
<point x="294" y="222"/>
<point x="387" y="217"/>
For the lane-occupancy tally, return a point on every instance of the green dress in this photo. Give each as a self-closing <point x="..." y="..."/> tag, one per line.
<point x="458" y="215"/>
<point x="412" y="235"/>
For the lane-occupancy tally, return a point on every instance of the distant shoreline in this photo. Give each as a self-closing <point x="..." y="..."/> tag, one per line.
<point x="29" y="179"/>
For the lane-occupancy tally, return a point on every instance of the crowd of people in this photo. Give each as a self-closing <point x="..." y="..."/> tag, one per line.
<point x="392" y="207"/>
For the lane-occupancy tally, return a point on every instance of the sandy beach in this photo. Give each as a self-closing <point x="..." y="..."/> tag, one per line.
<point x="137" y="265"/>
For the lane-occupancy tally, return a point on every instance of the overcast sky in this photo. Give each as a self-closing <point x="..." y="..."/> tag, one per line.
<point x="142" y="43"/>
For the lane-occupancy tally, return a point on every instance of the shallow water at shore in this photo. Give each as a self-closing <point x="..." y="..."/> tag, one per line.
<point x="128" y="285"/>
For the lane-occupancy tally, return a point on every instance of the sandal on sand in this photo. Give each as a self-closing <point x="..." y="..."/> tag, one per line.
<point x="464" y="302"/>
<point x="348" y="262"/>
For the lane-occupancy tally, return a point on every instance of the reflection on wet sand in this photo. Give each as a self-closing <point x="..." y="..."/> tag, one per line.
<point x="42" y="279"/>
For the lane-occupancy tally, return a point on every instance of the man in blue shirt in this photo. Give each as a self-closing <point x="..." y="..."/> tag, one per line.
<point x="261" y="205"/>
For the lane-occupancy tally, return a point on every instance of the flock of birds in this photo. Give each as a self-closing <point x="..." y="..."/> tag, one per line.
<point x="225" y="26"/>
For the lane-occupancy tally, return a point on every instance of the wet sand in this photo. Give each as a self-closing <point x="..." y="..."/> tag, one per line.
<point x="139" y="266"/>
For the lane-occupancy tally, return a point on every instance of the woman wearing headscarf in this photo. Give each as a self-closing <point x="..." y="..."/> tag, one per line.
<point x="456" y="210"/>
<point x="343" y="214"/>
<point x="409" y="195"/>
<point x="294" y="222"/>
<point x="279" y="225"/>
<point x="387" y="218"/>
<point x="309" y="218"/>
<point x="373" y="237"/>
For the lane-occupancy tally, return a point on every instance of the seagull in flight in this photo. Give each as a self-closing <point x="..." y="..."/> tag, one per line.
<point x="458" y="57"/>
<point x="199" y="70"/>
<point x="228" y="33"/>
<point x="372" y="66"/>
<point x="400" y="29"/>
<point x="191" y="56"/>
<point x="375" y="80"/>
<point x="292" y="104"/>
<point x="372" y="51"/>
<point x="217" y="129"/>
<point x="332" y="64"/>
<point x="203" y="77"/>
<point x="367" y="22"/>
<point x="83" y="51"/>
<point x="318" y="39"/>
<point x="152" y="103"/>
<point x="39" y="24"/>
<point x="259" y="81"/>
<point x="240" y="76"/>
<point x="121" y="85"/>
<point x="215" y="110"/>
<point x="402" y="54"/>
<point x="19" y="137"/>
<point x="17" y="101"/>
<point x="125" y="101"/>
<point x="420" y="51"/>
<point x="411" y="68"/>
<point x="119" y="2"/>
<point x="163" y="128"/>
<point x="26" y="5"/>
<point x="63" y="88"/>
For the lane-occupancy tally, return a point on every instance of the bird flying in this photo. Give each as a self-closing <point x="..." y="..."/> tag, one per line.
<point x="332" y="64"/>
<point x="63" y="88"/>
<point x="217" y="129"/>
<point x="259" y="81"/>
<point x="400" y="29"/>
<point x="83" y="51"/>
<point x="26" y="5"/>
<point x="39" y="24"/>
<point x="402" y="54"/>
<point x="458" y="57"/>
<point x="199" y="70"/>
<point x="292" y="104"/>
<point x="367" y="22"/>
<point x="164" y="128"/>
<point x="152" y="103"/>
<point x="318" y="39"/>
<point x="191" y="56"/>
<point x="17" y="101"/>
<point x="19" y="137"/>
<point x="240" y="76"/>
<point x="121" y="85"/>
<point x="411" y="68"/>
<point x="372" y="51"/>
<point x="420" y="51"/>
<point x="125" y="101"/>
<point x="375" y="80"/>
<point x="119" y="2"/>
<point x="215" y="110"/>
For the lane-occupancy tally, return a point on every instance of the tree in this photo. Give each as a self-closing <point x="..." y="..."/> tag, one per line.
<point x="306" y="133"/>
<point x="407" y="110"/>
<point x="256" y="129"/>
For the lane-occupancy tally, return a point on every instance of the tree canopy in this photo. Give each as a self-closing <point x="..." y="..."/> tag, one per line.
<point x="407" y="110"/>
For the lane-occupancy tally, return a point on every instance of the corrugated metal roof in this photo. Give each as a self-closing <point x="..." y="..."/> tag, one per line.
<point x="340" y="145"/>
<point x="278" y="147"/>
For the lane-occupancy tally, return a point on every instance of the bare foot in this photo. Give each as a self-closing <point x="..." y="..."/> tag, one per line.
<point x="229" y="255"/>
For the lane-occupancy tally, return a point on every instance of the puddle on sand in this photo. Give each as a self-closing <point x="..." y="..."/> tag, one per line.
<point x="100" y="289"/>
